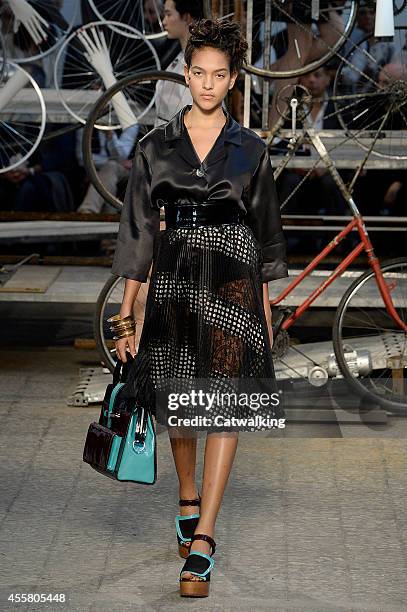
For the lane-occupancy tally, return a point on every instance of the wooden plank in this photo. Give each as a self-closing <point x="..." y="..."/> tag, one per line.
<point x="55" y="231"/>
<point x="31" y="279"/>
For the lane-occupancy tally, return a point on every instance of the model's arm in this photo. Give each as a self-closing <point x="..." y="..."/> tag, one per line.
<point x="267" y="311"/>
<point x="264" y="219"/>
<point x="139" y="224"/>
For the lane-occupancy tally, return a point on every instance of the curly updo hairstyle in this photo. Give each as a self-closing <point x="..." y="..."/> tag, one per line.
<point x="220" y="34"/>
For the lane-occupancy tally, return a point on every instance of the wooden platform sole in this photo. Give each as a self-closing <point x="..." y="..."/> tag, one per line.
<point x="194" y="588"/>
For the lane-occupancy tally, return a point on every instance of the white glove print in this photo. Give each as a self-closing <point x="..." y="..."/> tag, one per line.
<point x="32" y="21"/>
<point x="97" y="54"/>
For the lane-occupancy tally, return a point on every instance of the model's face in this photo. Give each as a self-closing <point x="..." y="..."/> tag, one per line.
<point x="175" y="25"/>
<point x="209" y="77"/>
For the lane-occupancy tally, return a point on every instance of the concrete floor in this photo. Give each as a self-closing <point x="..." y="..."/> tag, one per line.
<point x="308" y="522"/>
<point x="312" y="520"/>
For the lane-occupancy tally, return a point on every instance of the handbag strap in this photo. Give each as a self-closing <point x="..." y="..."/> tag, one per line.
<point x="112" y="400"/>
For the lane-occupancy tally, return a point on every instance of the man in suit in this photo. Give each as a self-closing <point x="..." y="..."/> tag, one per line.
<point x="319" y="194"/>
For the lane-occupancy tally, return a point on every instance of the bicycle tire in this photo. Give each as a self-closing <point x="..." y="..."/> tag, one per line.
<point x="100" y="317"/>
<point x="391" y="406"/>
<point x="101" y="347"/>
<point x="355" y="132"/>
<point x="399" y="6"/>
<point x="314" y="65"/>
<point x="3" y="57"/>
<point x="94" y="114"/>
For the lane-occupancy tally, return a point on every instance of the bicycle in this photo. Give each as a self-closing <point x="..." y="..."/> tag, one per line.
<point x="380" y="337"/>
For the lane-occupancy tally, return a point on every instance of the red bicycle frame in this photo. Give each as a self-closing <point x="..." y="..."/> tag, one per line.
<point x="364" y="245"/>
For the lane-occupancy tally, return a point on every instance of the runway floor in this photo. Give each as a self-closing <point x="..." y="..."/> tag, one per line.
<point x="313" y="518"/>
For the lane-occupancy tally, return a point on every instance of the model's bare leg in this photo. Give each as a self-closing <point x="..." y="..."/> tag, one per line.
<point x="183" y="443"/>
<point x="220" y="450"/>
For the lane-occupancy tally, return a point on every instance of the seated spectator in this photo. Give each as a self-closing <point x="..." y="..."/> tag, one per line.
<point x="170" y="97"/>
<point x="319" y="194"/>
<point x="369" y="56"/>
<point x="396" y="71"/>
<point x="111" y="157"/>
<point x="28" y="188"/>
<point x="379" y="192"/>
<point x="395" y="196"/>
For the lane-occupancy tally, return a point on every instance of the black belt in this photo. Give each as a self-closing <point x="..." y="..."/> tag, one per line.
<point x="196" y="215"/>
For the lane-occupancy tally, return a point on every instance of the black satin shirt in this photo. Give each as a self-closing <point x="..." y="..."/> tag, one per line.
<point x="166" y="171"/>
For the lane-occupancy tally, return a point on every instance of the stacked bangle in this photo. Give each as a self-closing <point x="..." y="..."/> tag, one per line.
<point x="122" y="327"/>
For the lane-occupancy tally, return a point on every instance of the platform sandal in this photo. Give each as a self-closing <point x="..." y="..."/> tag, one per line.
<point x="199" y="564"/>
<point x="186" y="525"/>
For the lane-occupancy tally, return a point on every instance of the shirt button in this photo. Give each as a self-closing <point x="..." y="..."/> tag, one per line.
<point x="199" y="172"/>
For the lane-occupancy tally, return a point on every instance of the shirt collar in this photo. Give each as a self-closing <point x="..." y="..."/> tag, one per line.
<point x="174" y="129"/>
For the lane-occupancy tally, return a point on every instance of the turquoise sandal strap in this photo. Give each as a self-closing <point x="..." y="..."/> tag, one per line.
<point x="179" y="518"/>
<point x="200" y="554"/>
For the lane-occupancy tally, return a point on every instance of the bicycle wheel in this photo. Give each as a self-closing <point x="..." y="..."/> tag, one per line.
<point x="59" y="18"/>
<point x="129" y="52"/>
<point x="3" y="57"/>
<point x="399" y="6"/>
<point x="370" y="96"/>
<point x="22" y="117"/>
<point x="370" y="348"/>
<point x="299" y="43"/>
<point x="133" y="13"/>
<point x="139" y="90"/>
<point x="108" y="304"/>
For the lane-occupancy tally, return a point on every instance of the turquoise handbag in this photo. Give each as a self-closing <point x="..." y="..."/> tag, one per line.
<point x="125" y="450"/>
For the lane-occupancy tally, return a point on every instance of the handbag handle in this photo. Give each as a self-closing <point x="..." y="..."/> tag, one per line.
<point x="141" y="427"/>
<point x="113" y="395"/>
<point x="121" y="369"/>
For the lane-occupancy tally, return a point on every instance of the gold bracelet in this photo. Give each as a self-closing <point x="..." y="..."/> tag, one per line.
<point x="128" y="325"/>
<point x="126" y="334"/>
<point x="118" y="320"/>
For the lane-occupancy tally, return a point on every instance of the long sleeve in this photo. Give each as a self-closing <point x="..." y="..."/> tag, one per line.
<point x="139" y="224"/>
<point x="264" y="219"/>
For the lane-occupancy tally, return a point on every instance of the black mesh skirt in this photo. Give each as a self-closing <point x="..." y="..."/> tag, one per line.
<point x="204" y="315"/>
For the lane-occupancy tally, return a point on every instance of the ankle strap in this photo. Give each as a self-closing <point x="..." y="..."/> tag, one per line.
<point x="190" y="502"/>
<point x="206" y="538"/>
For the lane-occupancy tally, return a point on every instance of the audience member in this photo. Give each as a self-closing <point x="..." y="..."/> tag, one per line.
<point x="28" y="188"/>
<point x="111" y="153"/>
<point x="319" y="194"/>
<point x="170" y="97"/>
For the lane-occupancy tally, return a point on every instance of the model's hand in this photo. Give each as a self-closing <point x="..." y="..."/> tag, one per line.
<point x="97" y="54"/>
<point x="270" y="330"/>
<point x="267" y="312"/>
<point x="123" y="345"/>
<point x="32" y="21"/>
